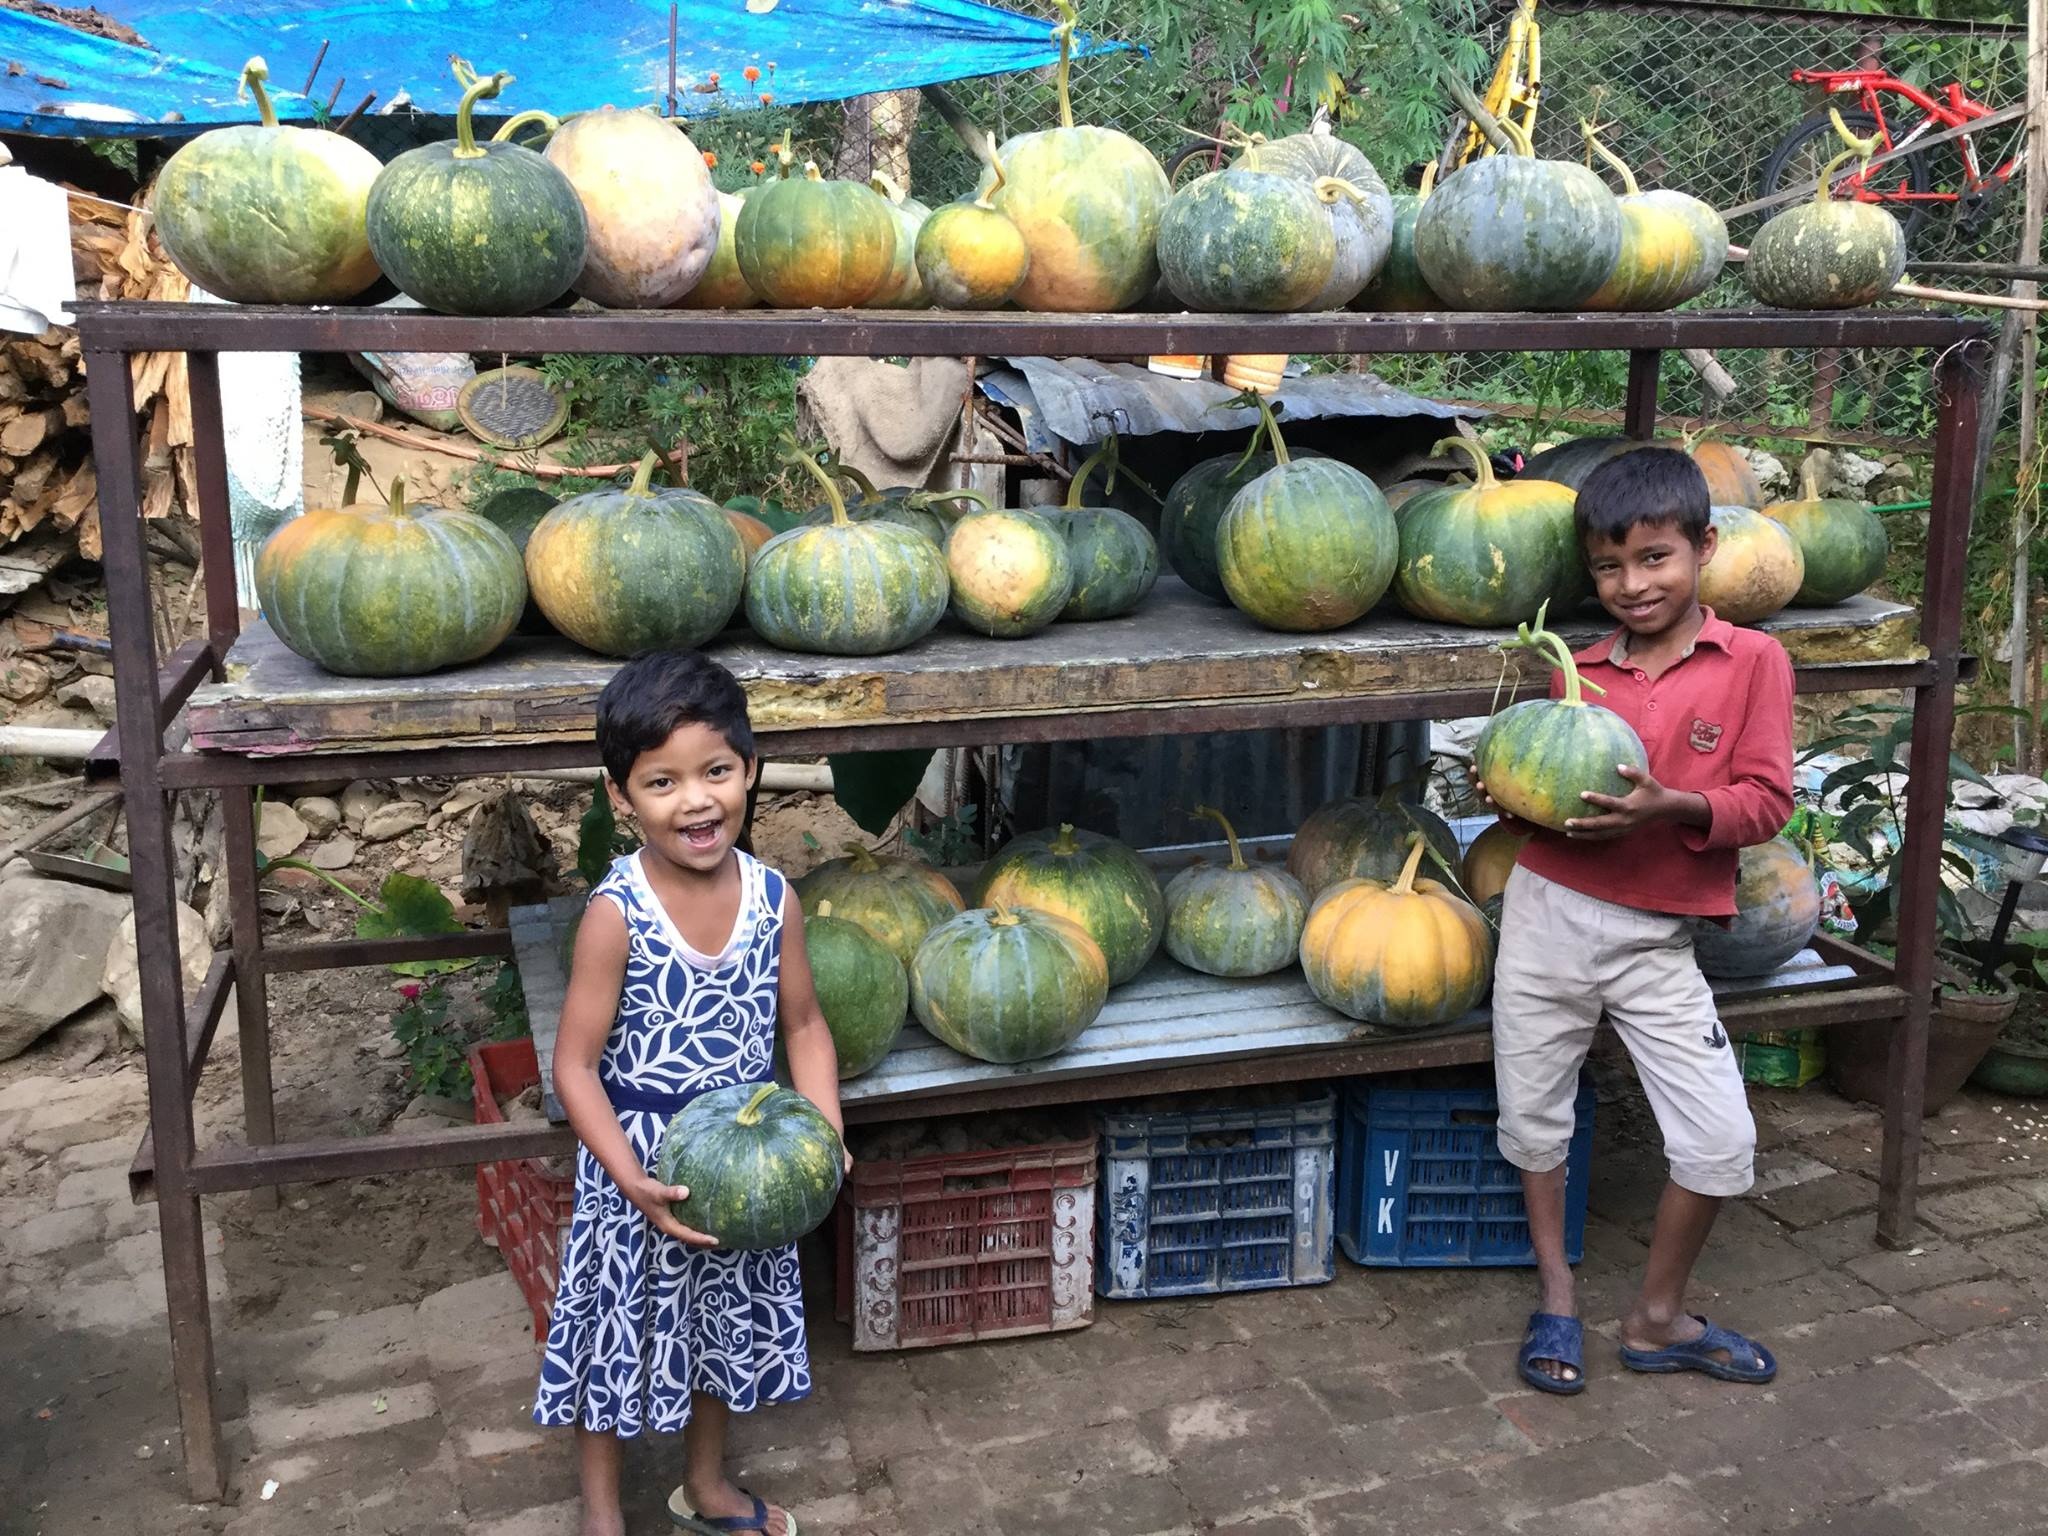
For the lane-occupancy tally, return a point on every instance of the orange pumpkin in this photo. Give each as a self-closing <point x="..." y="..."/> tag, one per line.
<point x="1757" y="566"/>
<point x="752" y="531"/>
<point x="1488" y="860"/>
<point x="1408" y="955"/>
<point x="1731" y="482"/>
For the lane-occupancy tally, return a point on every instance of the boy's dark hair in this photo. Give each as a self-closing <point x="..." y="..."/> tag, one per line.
<point x="1648" y="485"/>
<point x="657" y="691"/>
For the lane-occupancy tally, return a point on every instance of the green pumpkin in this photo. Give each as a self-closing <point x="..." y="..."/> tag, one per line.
<point x="1512" y="232"/>
<point x="1361" y="214"/>
<point x="971" y="256"/>
<point x="1570" y="462"/>
<point x="863" y="989"/>
<point x="1246" y="240"/>
<point x="804" y="242"/>
<point x="1010" y="570"/>
<point x="1487" y="553"/>
<point x="899" y="901"/>
<point x="1309" y="545"/>
<point x="1829" y="253"/>
<point x="1005" y="986"/>
<point x="762" y="1166"/>
<point x="518" y="510"/>
<point x="1115" y="557"/>
<point x="1673" y="245"/>
<point x="1400" y="287"/>
<point x="1842" y="543"/>
<point x="723" y="285"/>
<point x="1093" y="880"/>
<point x="1355" y="838"/>
<point x="1536" y="758"/>
<point x="845" y="588"/>
<point x="631" y="570"/>
<point x="389" y="590"/>
<point x="1195" y="504"/>
<point x="267" y="214"/>
<point x="912" y="510"/>
<point x="477" y="229"/>
<point x="1777" y="909"/>
<point x="904" y="287"/>
<point x="1088" y="203"/>
<point x="1237" y="920"/>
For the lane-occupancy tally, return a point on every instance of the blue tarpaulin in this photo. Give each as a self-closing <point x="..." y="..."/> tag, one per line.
<point x="567" y="55"/>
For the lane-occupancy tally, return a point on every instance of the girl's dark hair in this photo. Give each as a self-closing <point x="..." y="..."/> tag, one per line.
<point x="657" y="691"/>
<point x="1648" y="485"/>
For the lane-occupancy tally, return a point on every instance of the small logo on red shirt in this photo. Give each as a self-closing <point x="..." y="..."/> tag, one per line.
<point x="1705" y="735"/>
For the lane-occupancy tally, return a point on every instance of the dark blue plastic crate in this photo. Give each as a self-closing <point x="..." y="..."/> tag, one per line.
<point x="1421" y="1182"/>
<point x="1217" y="1200"/>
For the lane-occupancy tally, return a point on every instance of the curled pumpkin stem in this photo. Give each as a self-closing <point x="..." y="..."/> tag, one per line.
<point x="967" y="493"/>
<point x="1271" y="425"/>
<point x="1405" y="885"/>
<point x="1620" y="166"/>
<point x="885" y="184"/>
<point x="1464" y="448"/>
<point x="986" y="199"/>
<point x="254" y="73"/>
<point x="1428" y="181"/>
<point x="477" y="89"/>
<point x="751" y="1114"/>
<point x="643" y="474"/>
<point x="1229" y="834"/>
<point x="796" y="456"/>
<point x="859" y="481"/>
<point x="1859" y="150"/>
<point x="1534" y="637"/>
<point x="1331" y="190"/>
<point x="547" y="121"/>
<point x="1105" y="456"/>
<point x="1518" y="137"/>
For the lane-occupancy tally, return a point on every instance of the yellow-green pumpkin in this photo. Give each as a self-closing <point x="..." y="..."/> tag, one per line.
<point x="1777" y="908"/>
<point x="1010" y="570"/>
<point x="1090" y="879"/>
<point x="904" y="287"/>
<point x="1308" y="545"/>
<point x="265" y="214"/>
<point x="1237" y="920"/>
<point x="389" y="590"/>
<point x="971" y="255"/>
<point x="863" y="989"/>
<point x="1756" y="570"/>
<point x="621" y="571"/>
<point x="1842" y="543"/>
<point x="1490" y="860"/>
<point x="1830" y="253"/>
<point x="803" y="242"/>
<point x="899" y="901"/>
<point x="1492" y="552"/>
<point x="1673" y="245"/>
<point x="845" y="588"/>
<point x="722" y="285"/>
<point x="1239" y="239"/>
<point x="1410" y="954"/>
<point x="1006" y="986"/>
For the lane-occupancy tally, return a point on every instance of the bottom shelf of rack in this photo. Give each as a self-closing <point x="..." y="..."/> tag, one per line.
<point x="1170" y="1029"/>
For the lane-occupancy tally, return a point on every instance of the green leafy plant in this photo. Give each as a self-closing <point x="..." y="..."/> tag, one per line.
<point x="505" y="997"/>
<point x="600" y="839"/>
<point x="950" y="841"/>
<point x="436" y="1061"/>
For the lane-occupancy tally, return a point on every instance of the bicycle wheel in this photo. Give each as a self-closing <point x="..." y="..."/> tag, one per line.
<point x="1197" y="158"/>
<point x="1805" y="151"/>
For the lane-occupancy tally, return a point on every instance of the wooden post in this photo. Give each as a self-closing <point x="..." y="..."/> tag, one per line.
<point x="1640" y="415"/>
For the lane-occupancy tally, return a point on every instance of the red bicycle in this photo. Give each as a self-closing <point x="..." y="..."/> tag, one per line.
<point x="1907" y="186"/>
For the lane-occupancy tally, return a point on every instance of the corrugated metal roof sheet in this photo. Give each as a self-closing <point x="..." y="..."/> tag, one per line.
<point x="1082" y="401"/>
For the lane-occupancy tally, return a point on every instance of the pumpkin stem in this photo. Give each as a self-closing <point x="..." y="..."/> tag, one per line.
<point x="1066" y="843"/>
<point x="1858" y="149"/>
<point x="1464" y="448"/>
<point x="395" y="498"/>
<point x="1229" y="834"/>
<point x="1536" y="638"/>
<point x="862" y="858"/>
<point x="1809" y="477"/>
<point x="824" y="909"/>
<point x="643" y="475"/>
<point x="984" y="199"/>
<point x="861" y="482"/>
<point x="1258" y="437"/>
<point x="1106" y="451"/>
<point x="1405" y="885"/>
<point x="254" y="73"/>
<point x="925" y="499"/>
<point x="785" y="157"/>
<point x="811" y="467"/>
<point x="512" y="125"/>
<point x="750" y="1115"/>
<point x="1280" y="455"/>
<point x="1518" y="137"/>
<point x="885" y="184"/>
<point x="811" y="171"/>
<point x="476" y="88"/>
<point x="1004" y="917"/>
<point x="1064" y="33"/>
<point x="1428" y="182"/>
<point x="350" y="486"/>
<point x="1330" y="190"/>
<point x="1628" y="177"/>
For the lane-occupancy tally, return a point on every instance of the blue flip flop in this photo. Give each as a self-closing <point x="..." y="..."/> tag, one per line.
<point x="683" y="1518"/>
<point x="1748" y="1361"/>
<point x="1559" y="1339"/>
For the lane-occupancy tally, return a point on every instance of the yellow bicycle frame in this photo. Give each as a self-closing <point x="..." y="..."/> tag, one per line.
<point x="1517" y="83"/>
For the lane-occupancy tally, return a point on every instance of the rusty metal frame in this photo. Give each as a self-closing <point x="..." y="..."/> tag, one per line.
<point x="178" y="1172"/>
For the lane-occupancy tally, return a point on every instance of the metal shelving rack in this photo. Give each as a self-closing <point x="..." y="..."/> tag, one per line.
<point x="153" y="694"/>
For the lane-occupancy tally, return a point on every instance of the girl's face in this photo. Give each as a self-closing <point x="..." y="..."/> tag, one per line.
<point x="690" y="797"/>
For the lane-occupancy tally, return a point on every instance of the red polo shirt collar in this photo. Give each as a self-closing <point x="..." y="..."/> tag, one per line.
<point x="1716" y="631"/>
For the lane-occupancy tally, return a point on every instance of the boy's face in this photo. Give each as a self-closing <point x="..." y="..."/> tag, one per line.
<point x="1649" y="580"/>
<point x="690" y="795"/>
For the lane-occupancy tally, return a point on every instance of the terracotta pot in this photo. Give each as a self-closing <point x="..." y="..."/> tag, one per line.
<point x="1961" y="1031"/>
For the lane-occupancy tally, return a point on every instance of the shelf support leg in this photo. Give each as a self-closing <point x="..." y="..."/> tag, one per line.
<point x="112" y="400"/>
<point x="1959" y="389"/>
<point x="237" y="803"/>
<point x="1639" y="419"/>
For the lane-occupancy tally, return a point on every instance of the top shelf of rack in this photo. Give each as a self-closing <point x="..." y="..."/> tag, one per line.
<point x="129" y="327"/>
<point x="1180" y="664"/>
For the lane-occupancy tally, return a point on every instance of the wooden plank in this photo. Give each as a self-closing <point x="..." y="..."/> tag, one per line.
<point x="1178" y="652"/>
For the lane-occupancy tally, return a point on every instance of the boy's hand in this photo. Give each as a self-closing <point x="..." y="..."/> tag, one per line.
<point x="1649" y="801"/>
<point x="653" y="1198"/>
<point x="1508" y="818"/>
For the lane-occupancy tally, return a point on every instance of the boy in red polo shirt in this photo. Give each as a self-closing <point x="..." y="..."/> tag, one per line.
<point x="1595" y="917"/>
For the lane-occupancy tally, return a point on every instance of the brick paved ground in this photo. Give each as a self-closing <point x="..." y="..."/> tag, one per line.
<point x="1913" y="1396"/>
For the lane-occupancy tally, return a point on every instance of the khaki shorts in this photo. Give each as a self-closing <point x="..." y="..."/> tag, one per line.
<point x="1565" y="958"/>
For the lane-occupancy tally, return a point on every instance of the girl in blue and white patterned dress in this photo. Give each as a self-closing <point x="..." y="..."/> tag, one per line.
<point x="688" y="955"/>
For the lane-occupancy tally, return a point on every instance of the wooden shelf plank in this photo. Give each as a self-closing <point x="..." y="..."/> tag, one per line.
<point x="1180" y="662"/>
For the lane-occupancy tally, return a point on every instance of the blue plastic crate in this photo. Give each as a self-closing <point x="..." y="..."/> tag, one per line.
<point x="1217" y="1200"/>
<point x="1421" y="1181"/>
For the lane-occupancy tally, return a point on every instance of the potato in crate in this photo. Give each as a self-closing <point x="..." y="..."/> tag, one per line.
<point x="1202" y="1201"/>
<point x="967" y="1244"/>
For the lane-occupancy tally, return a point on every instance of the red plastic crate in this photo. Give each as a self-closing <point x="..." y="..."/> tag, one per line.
<point x="968" y="1245"/>
<point x="523" y="1209"/>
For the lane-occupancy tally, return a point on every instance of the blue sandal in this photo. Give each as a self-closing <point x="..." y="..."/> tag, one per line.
<point x="1561" y="1340"/>
<point x="684" y="1519"/>
<point x="1748" y="1361"/>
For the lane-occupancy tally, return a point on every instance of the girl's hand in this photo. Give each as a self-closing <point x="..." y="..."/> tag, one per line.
<point x="652" y="1198"/>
